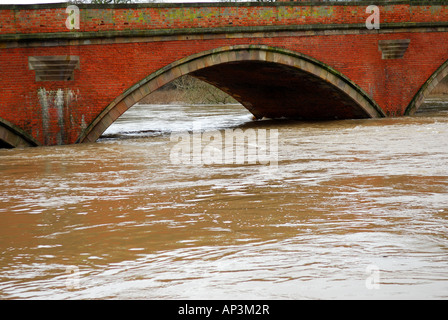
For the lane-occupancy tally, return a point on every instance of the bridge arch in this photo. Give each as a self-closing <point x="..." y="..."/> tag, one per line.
<point x="228" y="68"/>
<point x="427" y="88"/>
<point x="12" y="136"/>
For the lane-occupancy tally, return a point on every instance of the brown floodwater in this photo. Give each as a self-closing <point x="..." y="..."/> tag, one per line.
<point x="353" y="209"/>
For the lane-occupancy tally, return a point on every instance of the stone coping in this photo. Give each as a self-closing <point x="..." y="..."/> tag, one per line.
<point x="225" y="4"/>
<point x="73" y="35"/>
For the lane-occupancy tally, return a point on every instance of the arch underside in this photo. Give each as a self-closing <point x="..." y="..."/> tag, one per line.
<point x="269" y="82"/>
<point x="273" y="90"/>
<point x="13" y="137"/>
<point x="427" y="88"/>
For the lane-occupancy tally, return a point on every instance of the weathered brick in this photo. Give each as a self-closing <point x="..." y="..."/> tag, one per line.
<point x="111" y="63"/>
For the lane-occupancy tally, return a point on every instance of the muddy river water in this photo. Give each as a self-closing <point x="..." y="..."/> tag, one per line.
<point x="351" y="209"/>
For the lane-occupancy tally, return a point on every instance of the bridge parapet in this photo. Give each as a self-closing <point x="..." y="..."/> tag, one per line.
<point x="18" y="21"/>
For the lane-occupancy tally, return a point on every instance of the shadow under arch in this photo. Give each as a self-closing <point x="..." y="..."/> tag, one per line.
<point x="254" y="76"/>
<point x="12" y="136"/>
<point x="426" y="89"/>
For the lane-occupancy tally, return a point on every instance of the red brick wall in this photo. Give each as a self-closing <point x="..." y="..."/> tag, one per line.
<point x="108" y="70"/>
<point x="167" y="17"/>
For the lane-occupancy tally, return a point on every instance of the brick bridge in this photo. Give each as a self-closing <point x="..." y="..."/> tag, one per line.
<point x="300" y="60"/>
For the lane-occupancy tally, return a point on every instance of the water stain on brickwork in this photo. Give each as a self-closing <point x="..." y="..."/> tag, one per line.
<point x="56" y="120"/>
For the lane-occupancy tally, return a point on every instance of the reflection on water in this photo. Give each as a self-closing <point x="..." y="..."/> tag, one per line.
<point x="116" y="219"/>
